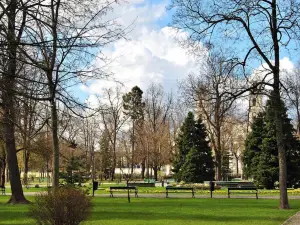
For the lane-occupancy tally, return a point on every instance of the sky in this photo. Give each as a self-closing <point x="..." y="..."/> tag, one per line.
<point x="150" y="53"/>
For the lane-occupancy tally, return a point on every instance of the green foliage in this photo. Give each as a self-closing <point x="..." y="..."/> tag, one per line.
<point x="73" y="175"/>
<point x="261" y="153"/>
<point x="194" y="161"/>
<point x="225" y="167"/>
<point x="62" y="206"/>
<point x="106" y="154"/>
<point x="133" y="104"/>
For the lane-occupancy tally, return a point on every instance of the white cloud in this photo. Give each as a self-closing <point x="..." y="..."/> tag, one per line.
<point x="150" y="54"/>
<point x="286" y="66"/>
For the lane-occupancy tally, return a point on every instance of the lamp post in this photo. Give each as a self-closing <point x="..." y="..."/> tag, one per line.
<point x="128" y="195"/>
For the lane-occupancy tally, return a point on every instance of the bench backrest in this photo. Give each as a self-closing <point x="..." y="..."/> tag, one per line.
<point x="130" y="187"/>
<point x="180" y="188"/>
<point x="244" y="188"/>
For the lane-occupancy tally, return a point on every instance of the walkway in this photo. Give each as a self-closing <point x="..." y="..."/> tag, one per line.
<point x="294" y="220"/>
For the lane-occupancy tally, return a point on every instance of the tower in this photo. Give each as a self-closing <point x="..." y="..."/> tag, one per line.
<point x="255" y="107"/>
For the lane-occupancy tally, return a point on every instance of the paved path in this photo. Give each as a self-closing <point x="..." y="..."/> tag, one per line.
<point x="294" y="220"/>
<point x="176" y="195"/>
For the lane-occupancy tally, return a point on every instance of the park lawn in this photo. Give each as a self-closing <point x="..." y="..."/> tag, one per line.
<point x="117" y="211"/>
<point x="31" y="189"/>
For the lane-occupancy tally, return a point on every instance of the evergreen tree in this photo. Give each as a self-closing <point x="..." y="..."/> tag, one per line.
<point x="106" y="156"/>
<point x="261" y="153"/>
<point x="225" y="167"/>
<point x="184" y="144"/>
<point x="194" y="162"/>
<point x="134" y="107"/>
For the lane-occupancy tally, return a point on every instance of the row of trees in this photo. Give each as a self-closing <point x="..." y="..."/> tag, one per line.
<point x="47" y="47"/>
<point x="253" y="32"/>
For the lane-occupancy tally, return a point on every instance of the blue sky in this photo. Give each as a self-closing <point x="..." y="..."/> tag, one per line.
<point x="150" y="54"/>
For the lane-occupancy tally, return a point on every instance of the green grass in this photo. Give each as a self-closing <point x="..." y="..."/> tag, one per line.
<point x="31" y="189"/>
<point x="116" y="211"/>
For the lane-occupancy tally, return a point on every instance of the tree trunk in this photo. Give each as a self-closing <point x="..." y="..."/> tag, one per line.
<point x="143" y="164"/>
<point x="55" y="169"/>
<point x="155" y="170"/>
<point x="2" y="175"/>
<point x="298" y="120"/>
<point x="237" y="165"/>
<point x="218" y="166"/>
<point x="17" y="195"/>
<point x="26" y="167"/>
<point x="14" y="174"/>
<point x="284" y="203"/>
<point x="132" y="148"/>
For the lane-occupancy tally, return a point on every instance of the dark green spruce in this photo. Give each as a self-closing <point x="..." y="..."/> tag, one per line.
<point x="193" y="162"/>
<point x="261" y="152"/>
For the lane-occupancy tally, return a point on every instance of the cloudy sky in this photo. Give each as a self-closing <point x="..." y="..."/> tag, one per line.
<point x="150" y="54"/>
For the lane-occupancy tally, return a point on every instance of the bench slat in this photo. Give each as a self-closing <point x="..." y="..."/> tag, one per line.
<point x="244" y="189"/>
<point x="180" y="188"/>
<point x="123" y="188"/>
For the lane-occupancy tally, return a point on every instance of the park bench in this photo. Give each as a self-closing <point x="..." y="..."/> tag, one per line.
<point x="244" y="190"/>
<point x="2" y="188"/>
<point x="111" y="189"/>
<point x="179" y="189"/>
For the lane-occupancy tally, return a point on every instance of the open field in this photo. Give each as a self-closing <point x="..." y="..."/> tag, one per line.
<point x="116" y="211"/>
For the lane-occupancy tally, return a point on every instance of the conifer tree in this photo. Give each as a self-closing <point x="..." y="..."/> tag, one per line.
<point x="261" y="153"/>
<point x="184" y="144"/>
<point x="194" y="162"/>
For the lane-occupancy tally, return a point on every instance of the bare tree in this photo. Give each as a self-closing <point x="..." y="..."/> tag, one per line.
<point x="113" y="119"/>
<point x="210" y="93"/>
<point x="157" y="112"/>
<point x="264" y="27"/>
<point x="292" y="90"/>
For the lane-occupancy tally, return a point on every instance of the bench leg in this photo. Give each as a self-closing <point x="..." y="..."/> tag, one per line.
<point x="167" y="194"/>
<point x="136" y="194"/>
<point x="193" y="194"/>
<point x="256" y="196"/>
<point x="228" y="194"/>
<point x="111" y="194"/>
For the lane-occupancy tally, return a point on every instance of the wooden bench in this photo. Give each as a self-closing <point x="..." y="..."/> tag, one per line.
<point x="180" y="189"/>
<point x="123" y="188"/>
<point x="247" y="190"/>
<point x="2" y="188"/>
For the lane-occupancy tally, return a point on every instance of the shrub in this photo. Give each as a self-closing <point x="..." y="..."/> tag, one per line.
<point x="200" y="186"/>
<point x="37" y="186"/>
<point x="62" y="206"/>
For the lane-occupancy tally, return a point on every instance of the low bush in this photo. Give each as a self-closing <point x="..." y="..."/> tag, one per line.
<point x="37" y="186"/>
<point x="200" y="186"/>
<point x="61" y="206"/>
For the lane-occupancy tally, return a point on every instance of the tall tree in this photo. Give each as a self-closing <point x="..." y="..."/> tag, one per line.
<point x="13" y="31"/>
<point x="156" y="126"/>
<point x="199" y="165"/>
<point x="263" y="26"/>
<point x="210" y="93"/>
<point x="113" y="119"/>
<point x="106" y="156"/>
<point x="184" y="143"/>
<point x="134" y="108"/>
